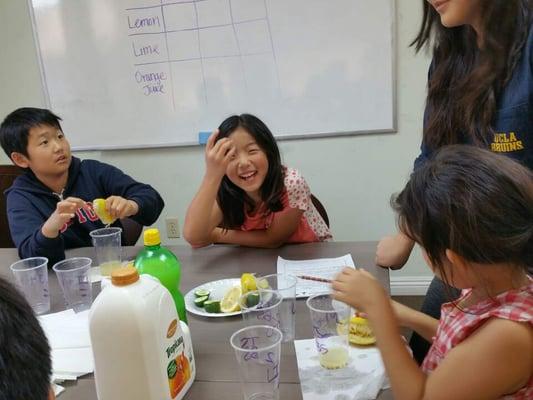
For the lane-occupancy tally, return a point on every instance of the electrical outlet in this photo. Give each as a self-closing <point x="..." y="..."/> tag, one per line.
<point x="173" y="228"/>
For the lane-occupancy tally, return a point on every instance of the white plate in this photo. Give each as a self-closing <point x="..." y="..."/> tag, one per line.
<point x="217" y="291"/>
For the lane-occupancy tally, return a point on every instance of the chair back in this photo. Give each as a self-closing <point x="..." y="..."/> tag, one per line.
<point x="320" y="208"/>
<point x="131" y="231"/>
<point x="8" y="174"/>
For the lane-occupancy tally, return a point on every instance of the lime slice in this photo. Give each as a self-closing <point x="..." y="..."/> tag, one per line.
<point x="248" y="283"/>
<point x="199" y="301"/>
<point x="101" y="212"/>
<point x="212" y="306"/>
<point x="202" y="293"/>
<point x="230" y="301"/>
<point x="252" y="299"/>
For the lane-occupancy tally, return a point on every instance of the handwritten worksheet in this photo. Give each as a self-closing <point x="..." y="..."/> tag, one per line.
<point x="325" y="268"/>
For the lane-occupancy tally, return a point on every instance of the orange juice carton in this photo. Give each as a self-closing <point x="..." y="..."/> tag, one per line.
<point x="142" y="351"/>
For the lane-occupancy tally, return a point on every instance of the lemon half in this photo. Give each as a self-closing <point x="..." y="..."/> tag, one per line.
<point x="230" y="302"/>
<point x="101" y="212"/>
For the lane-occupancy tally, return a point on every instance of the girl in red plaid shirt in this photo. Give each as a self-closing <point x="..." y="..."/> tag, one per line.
<point x="471" y="211"/>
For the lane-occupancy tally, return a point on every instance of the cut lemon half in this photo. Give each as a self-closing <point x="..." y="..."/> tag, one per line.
<point x="230" y="301"/>
<point x="248" y="283"/>
<point x="101" y="212"/>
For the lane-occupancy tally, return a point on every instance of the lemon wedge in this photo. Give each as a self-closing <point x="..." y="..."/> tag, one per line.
<point x="101" y="212"/>
<point x="248" y="283"/>
<point x="230" y="301"/>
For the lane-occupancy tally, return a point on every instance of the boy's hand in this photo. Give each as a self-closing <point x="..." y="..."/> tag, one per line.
<point x="119" y="207"/>
<point x="359" y="289"/>
<point x="218" y="155"/>
<point x="64" y="212"/>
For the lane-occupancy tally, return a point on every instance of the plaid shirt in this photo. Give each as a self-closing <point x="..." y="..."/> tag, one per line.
<point x="456" y="325"/>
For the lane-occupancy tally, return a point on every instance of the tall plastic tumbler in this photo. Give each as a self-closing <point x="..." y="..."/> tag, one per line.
<point x="107" y="244"/>
<point x="285" y="285"/>
<point x="257" y="349"/>
<point x="31" y="275"/>
<point x="330" y="320"/>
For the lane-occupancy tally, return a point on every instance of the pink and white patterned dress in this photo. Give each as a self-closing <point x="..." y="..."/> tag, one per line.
<point x="311" y="228"/>
<point x="456" y="325"/>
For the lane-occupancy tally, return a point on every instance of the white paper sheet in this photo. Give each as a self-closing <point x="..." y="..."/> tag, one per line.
<point x="67" y="329"/>
<point x="361" y="379"/>
<point x="69" y="339"/>
<point x="76" y="362"/>
<point x="325" y="268"/>
<point x="57" y="389"/>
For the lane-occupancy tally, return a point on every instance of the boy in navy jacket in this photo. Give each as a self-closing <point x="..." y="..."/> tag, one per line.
<point x="49" y="207"/>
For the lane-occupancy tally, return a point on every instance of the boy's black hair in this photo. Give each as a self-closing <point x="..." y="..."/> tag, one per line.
<point x="25" y="365"/>
<point x="231" y="199"/>
<point x="15" y="128"/>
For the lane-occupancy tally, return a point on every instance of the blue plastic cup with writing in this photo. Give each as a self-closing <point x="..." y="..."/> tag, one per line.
<point x="330" y="320"/>
<point x="73" y="277"/>
<point x="261" y="307"/>
<point x="257" y="349"/>
<point x="285" y="284"/>
<point x="31" y="275"/>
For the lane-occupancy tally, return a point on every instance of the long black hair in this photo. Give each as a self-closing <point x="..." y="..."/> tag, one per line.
<point x="472" y="201"/>
<point x="231" y="199"/>
<point x="465" y="80"/>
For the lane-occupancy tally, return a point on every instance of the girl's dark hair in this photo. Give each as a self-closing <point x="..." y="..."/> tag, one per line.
<point x="477" y="203"/>
<point x="231" y="199"/>
<point x="465" y="81"/>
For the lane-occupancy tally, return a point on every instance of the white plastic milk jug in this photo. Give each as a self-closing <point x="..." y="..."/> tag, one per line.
<point x="141" y="350"/>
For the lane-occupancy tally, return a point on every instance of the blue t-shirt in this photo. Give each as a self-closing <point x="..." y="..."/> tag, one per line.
<point x="513" y="120"/>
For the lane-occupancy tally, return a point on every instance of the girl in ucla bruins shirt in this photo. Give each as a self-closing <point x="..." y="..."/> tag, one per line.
<point x="480" y="92"/>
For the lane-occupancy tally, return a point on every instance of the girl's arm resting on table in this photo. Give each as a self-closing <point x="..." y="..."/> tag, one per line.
<point x="283" y="226"/>
<point x="199" y="224"/>
<point x="494" y="361"/>
<point x="417" y="321"/>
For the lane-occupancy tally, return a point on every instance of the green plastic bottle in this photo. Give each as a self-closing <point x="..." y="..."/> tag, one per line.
<point x="160" y="262"/>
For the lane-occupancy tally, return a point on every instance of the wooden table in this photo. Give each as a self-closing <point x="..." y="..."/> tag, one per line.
<point x="216" y="369"/>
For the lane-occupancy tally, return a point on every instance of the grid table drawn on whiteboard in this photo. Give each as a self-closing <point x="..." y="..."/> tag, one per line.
<point x="159" y="29"/>
<point x="155" y="73"/>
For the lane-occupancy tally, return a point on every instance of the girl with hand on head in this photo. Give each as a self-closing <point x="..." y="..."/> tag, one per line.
<point x="471" y="211"/>
<point x="480" y="92"/>
<point x="247" y="196"/>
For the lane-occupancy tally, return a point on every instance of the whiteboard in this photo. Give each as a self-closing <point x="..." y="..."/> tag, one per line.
<point x="152" y="73"/>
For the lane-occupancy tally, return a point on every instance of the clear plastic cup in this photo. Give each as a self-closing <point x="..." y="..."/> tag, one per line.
<point x="31" y="275"/>
<point x="261" y="307"/>
<point x="285" y="284"/>
<point x="330" y="319"/>
<point x="108" y="246"/>
<point x="257" y="349"/>
<point x="73" y="277"/>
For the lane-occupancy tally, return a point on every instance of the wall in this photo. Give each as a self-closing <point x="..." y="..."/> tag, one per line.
<point x="352" y="176"/>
